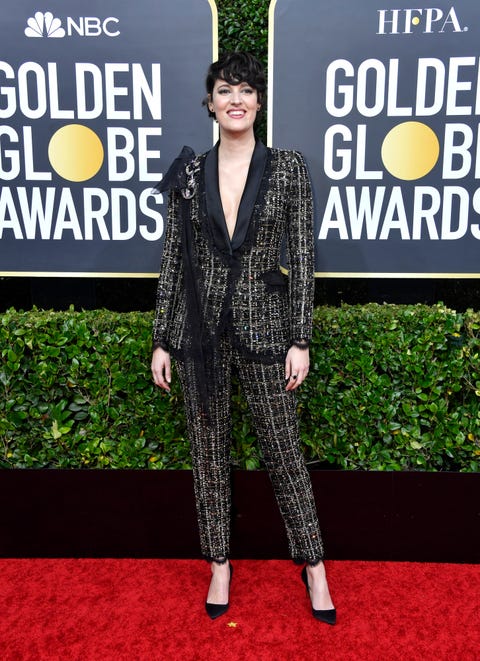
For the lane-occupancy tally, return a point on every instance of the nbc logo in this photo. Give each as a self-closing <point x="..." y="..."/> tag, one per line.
<point x="44" y="25"/>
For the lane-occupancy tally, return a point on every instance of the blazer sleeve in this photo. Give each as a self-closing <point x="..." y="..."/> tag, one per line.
<point x="170" y="275"/>
<point x="300" y="252"/>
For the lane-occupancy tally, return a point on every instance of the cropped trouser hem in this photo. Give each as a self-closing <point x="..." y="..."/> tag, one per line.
<point x="222" y="560"/>
<point x="309" y="561"/>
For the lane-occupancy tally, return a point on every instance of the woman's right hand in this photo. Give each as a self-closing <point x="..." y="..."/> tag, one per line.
<point x="161" y="368"/>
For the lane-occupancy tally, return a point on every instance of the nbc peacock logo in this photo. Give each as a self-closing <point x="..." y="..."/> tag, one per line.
<point x="44" y="25"/>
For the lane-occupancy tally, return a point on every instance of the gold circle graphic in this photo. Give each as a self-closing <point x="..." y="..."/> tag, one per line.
<point x="410" y="150"/>
<point x="415" y="20"/>
<point x="75" y="152"/>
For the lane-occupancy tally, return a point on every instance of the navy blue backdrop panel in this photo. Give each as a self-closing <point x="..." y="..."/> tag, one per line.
<point x="385" y="104"/>
<point x="96" y="99"/>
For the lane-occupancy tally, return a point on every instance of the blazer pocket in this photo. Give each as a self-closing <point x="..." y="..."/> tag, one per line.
<point x="275" y="280"/>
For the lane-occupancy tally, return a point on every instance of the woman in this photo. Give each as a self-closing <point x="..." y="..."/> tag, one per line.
<point x="223" y="304"/>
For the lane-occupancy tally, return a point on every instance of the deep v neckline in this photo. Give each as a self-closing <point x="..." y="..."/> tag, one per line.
<point x="247" y="201"/>
<point x="232" y="200"/>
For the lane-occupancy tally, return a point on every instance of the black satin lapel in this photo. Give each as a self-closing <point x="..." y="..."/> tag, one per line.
<point x="250" y="194"/>
<point x="215" y="215"/>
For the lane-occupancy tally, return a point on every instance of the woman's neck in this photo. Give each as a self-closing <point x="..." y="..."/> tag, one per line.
<point x="236" y="147"/>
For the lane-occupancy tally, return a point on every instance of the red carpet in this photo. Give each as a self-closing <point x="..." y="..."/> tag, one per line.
<point x="127" y="610"/>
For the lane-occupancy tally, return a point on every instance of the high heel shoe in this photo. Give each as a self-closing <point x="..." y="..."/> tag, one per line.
<point x="328" y="616"/>
<point x="215" y="610"/>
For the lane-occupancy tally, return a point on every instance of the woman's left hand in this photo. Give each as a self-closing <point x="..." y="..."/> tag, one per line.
<point x="297" y="363"/>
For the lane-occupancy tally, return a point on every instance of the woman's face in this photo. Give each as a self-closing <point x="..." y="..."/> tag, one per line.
<point x="235" y="106"/>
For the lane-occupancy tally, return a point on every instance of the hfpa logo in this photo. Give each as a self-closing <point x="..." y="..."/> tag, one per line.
<point x="46" y="25"/>
<point x="427" y="21"/>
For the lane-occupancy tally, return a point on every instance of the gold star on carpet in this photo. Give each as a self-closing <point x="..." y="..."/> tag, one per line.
<point x="232" y="625"/>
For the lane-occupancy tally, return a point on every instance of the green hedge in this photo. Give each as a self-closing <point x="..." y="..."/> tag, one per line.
<point x="243" y="25"/>
<point x="391" y="388"/>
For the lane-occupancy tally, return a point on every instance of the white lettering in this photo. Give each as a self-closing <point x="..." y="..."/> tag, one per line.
<point x="145" y="154"/>
<point x="343" y="156"/>
<point x="377" y="87"/>
<point x="34" y="72"/>
<point x="37" y="212"/>
<point x="95" y="95"/>
<point x="361" y="171"/>
<point x="420" y="212"/>
<point x="8" y="214"/>
<point x="30" y="173"/>
<point x="8" y="93"/>
<point x="37" y="91"/>
<point x="93" y="26"/>
<point x="96" y="215"/>
<point x="55" y="112"/>
<point x="395" y="216"/>
<point x="118" y="153"/>
<point x="11" y="156"/>
<point x="143" y="91"/>
<point x="364" y="213"/>
<point x="460" y="150"/>
<point x="122" y="197"/>
<point x="156" y="233"/>
<point x="474" y="227"/>
<point x="112" y="90"/>
<point x="425" y="86"/>
<point x="451" y="192"/>
<point x="454" y="85"/>
<point x="105" y="23"/>
<point x="50" y="213"/>
<point x="374" y="88"/>
<point x="333" y="217"/>
<point x="67" y="218"/>
<point x="393" y="109"/>
<point x="344" y="92"/>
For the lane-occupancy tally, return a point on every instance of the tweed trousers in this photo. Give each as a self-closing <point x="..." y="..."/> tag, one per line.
<point x="274" y="416"/>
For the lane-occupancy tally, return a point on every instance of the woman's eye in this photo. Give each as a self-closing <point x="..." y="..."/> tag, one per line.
<point x="223" y="90"/>
<point x="247" y="90"/>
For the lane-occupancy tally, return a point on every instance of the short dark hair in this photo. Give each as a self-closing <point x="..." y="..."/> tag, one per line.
<point x="236" y="67"/>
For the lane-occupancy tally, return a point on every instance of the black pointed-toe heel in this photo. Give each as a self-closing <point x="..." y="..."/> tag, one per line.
<point x="328" y="616"/>
<point x="215" y="610"/>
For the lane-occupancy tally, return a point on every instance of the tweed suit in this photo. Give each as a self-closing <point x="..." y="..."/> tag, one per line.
<point x="225" y="305"/>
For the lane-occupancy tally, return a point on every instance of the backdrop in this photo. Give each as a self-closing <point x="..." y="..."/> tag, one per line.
<point x="96" y="99"/>
<point x="384" y="103"/>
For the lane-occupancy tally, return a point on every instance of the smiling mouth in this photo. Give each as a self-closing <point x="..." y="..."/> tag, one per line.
<point x="236" y="114"/>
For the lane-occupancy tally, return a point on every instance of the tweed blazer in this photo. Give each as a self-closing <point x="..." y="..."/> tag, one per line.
<point x="239" y="284"/>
